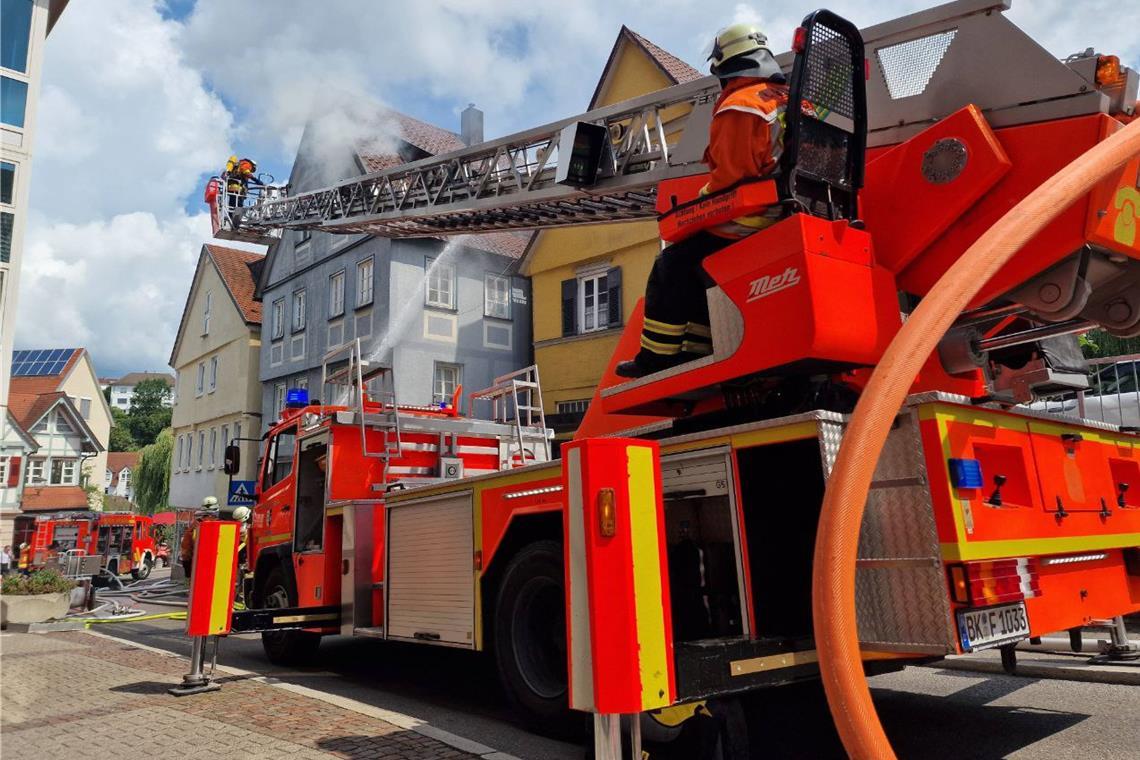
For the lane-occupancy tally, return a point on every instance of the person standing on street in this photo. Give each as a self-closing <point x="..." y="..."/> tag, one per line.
<point x="5" y="560"/>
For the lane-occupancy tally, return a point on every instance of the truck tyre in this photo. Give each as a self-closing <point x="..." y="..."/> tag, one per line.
<point x="142" y="572"/>
<point x="530" y="637"/>
<point x="285" y="647"/>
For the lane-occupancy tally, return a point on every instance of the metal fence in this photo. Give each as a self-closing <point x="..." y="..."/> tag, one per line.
<point x="1113" y="395"/>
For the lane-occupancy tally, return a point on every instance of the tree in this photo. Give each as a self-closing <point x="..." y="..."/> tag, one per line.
<point x="121" y="438"/>
<point x="149" y="413"/>
<point x="152" y="480"/>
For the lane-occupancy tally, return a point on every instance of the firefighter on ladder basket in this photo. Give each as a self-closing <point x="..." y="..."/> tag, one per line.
<point x="745" y="142"/>
<point x="238" y="176"/>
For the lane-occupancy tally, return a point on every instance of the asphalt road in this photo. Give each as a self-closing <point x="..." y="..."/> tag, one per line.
<point x="928" y="712"/>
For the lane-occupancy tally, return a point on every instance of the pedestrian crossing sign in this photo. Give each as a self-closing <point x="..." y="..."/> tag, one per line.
<point x="241" y="493"/>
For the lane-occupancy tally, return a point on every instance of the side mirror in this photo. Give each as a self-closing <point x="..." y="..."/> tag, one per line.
<point x="232" y="460"/>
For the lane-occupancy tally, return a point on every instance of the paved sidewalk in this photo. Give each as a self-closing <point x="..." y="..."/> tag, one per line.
<point x="69" y="695"/>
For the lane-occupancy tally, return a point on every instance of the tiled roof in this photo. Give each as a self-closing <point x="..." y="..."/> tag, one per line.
<point x="509" y="244"/>
<point x="240" y="271"/>
<point x="427" y="137"/>
<point x="37" y="384"/>
<point x="674" y="67"/>
<point x="117" y="461"/>
<point x="48" y="498"/>
<point x="134" y="378"/>
<point x="26" y="407"/>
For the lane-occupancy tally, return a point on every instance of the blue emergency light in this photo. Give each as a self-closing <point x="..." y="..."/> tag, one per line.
<point x="966" y="473"/>
<point x="297" y="398"/>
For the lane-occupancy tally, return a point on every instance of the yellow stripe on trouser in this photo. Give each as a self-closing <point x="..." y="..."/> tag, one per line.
<point x="223" y="578"/>
<point x="648" y="605"/>
<point x="664" y="327"/>
<point x="665" y="349"/>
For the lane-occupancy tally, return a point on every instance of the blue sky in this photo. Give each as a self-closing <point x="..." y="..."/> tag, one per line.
<point x="142" y="100"/>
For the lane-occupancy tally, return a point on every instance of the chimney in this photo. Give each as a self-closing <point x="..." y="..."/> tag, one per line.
<point x="471" y="125"/>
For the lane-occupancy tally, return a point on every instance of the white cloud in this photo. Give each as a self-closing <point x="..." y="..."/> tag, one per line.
<point x="116" y="287"/>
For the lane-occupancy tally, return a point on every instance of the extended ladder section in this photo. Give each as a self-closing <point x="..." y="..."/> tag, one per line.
<point x="516" y="400"/>
<point x="605" y="165"/>
<point x="345" y="366"/>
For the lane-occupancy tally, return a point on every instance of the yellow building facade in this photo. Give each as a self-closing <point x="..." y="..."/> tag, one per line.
<point x="586" y="281"/>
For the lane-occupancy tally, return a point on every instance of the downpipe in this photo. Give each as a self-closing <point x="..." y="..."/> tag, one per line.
<point x="833" y="577"/>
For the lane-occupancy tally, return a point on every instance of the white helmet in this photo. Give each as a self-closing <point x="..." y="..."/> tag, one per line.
<point x="241" y="514"/>
<point x="210" y="502"/>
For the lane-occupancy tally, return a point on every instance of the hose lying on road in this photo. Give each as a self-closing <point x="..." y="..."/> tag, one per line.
<point x="836" y="548"/>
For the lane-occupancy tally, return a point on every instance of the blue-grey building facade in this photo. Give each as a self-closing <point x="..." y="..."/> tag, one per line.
<point x="442" y="313"/>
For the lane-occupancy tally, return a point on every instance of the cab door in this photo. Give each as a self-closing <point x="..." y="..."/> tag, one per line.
<point x="273" y="517"/>
<point x="310" y="544"/>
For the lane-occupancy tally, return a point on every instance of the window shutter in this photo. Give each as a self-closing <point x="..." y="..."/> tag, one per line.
<point x="14" y="471"/>
<point x="569" y="300"/>
<point x="613" y="282"/>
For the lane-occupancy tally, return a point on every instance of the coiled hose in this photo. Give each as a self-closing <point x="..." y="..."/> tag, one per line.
<point x="833" y="584"/>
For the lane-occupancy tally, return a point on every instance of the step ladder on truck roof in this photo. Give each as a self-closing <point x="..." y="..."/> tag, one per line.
<point x="986" y="523"/>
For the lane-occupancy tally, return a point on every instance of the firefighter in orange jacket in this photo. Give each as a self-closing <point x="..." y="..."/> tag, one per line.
<point x="745" y="142"/>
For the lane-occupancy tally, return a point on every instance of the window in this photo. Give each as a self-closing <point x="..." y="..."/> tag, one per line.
<point x="178" y="454"/>
<point x="201" y="448"/>
<point x="302" y="382"/>
<point x="63" y="472"/>
<point x="189" y="450"/>
<point x="237" y="431"/>
<point x="13" y="101"/>
<point x="6" y="222"/>
<point x="440" y="282"/>
<point x="336" y="294"/>
<point x="299" y="311"/>
<point x="62" y="425"/>
<point x="85" y="408"/>
<point x="213" y="447"/>
<point x="36" y="470"/>
<point x="577" y="406"/>
<point x="213" y="373"/>
<point x="364" y="282"/>
<point x="279" y="457"/>
<point x="7" y="182"/>
<point x="225" y="436"/>
<point x="278" y="318"/>
<point x="206" y="312"/>
<point x="14" y="34"/>
<point x="3" y="472"/>
<point x="303" y="237"/>
<point x="447" y="378"/>
<point x="201" y="378"/>
<point x="120" y="401"/>
<point x="497" y="296"/>
<point x="593" y="303"/>
<point x="279" y="397"/>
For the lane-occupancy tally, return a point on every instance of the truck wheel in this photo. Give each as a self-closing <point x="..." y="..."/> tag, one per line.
<point x="530" y="637"/>
<point x="285" y="647"/>
<point x="142" y="572"/>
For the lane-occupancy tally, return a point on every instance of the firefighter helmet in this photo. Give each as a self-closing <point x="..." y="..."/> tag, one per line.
<point x="735" y="40"/>
<point x="241" y="514"/>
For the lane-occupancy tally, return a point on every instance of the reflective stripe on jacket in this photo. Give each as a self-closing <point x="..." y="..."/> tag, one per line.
<point x="746" y="139"/>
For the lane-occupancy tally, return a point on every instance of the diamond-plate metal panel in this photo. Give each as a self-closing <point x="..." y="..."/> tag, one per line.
<point x="900" y="597"/>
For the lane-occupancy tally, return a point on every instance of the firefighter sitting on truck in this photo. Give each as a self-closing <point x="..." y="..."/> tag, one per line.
<point x="745" y="142"/>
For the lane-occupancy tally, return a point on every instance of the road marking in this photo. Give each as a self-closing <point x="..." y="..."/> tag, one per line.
<point x="406" y="722"/>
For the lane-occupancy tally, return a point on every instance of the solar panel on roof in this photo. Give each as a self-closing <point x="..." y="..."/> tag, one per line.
<point x="40" y="361"/>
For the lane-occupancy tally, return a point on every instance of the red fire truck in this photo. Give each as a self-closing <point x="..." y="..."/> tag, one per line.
<point x="667" y="557"/>
<point x="124" y="541"/>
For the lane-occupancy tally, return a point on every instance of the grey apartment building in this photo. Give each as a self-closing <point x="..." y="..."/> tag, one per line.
<point x="443" y="313"/>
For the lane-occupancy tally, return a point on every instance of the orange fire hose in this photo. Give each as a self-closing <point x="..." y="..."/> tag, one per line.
<point x="833" y="586"/>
